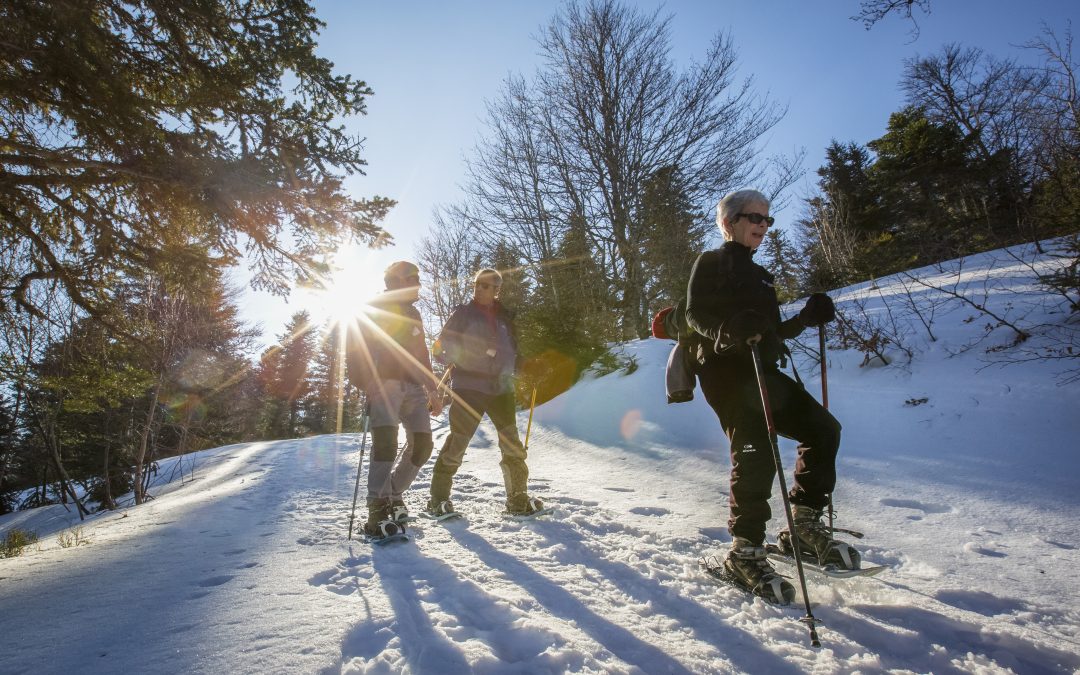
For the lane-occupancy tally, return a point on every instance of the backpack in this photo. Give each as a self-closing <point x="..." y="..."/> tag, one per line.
<point x="670" y="324"/>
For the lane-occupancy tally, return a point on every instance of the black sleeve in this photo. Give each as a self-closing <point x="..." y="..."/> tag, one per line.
<point x="711" y="296"/>
<point x="791" y="328"/>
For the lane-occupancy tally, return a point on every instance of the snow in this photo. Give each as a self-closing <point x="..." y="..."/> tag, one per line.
<point x="972" y="498"/>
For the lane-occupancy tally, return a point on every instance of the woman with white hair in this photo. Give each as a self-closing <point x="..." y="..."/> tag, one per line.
<point x="731" y="303"/>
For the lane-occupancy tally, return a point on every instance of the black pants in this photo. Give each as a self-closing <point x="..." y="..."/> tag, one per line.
<point x="731" y="389"/>
<point x="466" y="410"/>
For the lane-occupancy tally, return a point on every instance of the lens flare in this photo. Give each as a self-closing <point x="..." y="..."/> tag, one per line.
<point x="630" y="424"/>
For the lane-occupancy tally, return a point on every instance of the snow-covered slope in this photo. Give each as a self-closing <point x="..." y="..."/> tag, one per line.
<point x="971" y="497"/>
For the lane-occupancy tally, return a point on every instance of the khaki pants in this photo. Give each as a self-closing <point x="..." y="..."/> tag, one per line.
<point x="466" y="409"/>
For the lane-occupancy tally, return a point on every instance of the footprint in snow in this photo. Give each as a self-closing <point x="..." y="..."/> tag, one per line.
<point x="715" y="533"/>
<point x="972" y="547"/>
<point x="619" y="489"/>
<point x="1067" y="547"/>
<point x="649" y="511"/>
<point x="916" y="505"/>
<point x="981" y="602"/>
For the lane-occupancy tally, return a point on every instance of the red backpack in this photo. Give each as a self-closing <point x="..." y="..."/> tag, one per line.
<point x="658" y="328"/>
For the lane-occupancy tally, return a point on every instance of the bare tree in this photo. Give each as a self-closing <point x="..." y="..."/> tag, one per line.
<point x="604" y="114"/>
<point x="995" y="103"/>
<point x="833" y="237"/>
<point x="448" y="258"/>
<point x="1057" y="124"/>
<point x="872" y="11"/>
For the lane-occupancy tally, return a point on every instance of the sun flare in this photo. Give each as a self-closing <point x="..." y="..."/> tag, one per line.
<point x="355" y="279"/>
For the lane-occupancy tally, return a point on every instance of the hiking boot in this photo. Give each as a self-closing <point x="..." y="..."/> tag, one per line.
<point x="399" y="513"/>
<point x="439" y="507"/>
<point x="382" y="529"/>
<point x="750" y="567"/>
<point x="815" y="540"/>
<point x="379" y="510"/>
<point x="522" y="504"/>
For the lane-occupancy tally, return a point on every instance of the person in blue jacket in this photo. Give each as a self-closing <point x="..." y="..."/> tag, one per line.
<point x="480" y="344"/>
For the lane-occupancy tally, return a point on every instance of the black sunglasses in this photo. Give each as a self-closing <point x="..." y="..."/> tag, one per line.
<point x="486" y="285"/>
<point x="756" y="218"/>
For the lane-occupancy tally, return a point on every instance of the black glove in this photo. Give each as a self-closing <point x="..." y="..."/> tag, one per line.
<point x="819" y="310"/>
<point x="740" y="328"/>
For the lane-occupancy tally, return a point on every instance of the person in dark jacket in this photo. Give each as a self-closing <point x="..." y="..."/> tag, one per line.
<point x="480" y="344"/>
<point x="388" y="358"/>
<point x="732" y="303"/>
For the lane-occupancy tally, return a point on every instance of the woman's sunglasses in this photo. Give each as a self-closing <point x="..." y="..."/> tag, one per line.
<point x="756" y="218"/>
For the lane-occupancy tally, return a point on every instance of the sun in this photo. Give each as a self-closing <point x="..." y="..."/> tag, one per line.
<point x="355" y="278"/>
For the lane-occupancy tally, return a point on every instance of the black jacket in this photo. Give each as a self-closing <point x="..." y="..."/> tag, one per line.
<point x="723" y="283"/>
<point x="388" y="343"/>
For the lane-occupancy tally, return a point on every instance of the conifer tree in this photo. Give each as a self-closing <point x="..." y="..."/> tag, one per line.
<point x="674" y="235"/>
<point x="122" y="122"/>
<point x="780" y="257"/>
<point x="293" y="382"/>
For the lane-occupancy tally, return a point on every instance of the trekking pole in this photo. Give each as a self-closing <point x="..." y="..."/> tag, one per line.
<point x="809" y="619"/>
<point x="528" y="428"/>
<point x="825" y="403"/>
<point x="359" y="466"/>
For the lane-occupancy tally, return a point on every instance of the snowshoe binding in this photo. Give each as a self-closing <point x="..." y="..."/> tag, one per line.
<point x="816" y="543"/>
<point x="400" y="512"/>
<point x="384" y="532"/>
<point x="523" y="507"/>
<point x="748" y="566"/>
<point x="441" y="509"/>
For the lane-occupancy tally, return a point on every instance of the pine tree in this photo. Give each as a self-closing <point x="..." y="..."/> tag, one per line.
<point x="674" y="235"/>
<point x="293" y="382"/>
<point x="333" y="408"/>
<point x="568" y="317"/>
<point x="126" y="121"/>
<point x="780" y="257"/>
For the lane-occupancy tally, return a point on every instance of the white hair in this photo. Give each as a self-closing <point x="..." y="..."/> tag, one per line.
<point x="487" y="272"/>
<point x="735" y="202"/>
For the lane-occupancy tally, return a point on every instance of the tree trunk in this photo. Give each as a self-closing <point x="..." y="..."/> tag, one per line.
<point x="65" y="482"/>
<point x="144" y="439"/>
<point x="108" y="501"/>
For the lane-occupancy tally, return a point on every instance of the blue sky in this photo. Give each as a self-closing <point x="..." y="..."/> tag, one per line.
<point x="433" y="64"/>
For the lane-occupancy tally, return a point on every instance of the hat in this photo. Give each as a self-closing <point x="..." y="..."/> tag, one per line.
<point x="399" y="271"/>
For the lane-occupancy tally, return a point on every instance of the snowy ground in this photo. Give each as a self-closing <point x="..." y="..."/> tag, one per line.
<point x="972" y="498"/>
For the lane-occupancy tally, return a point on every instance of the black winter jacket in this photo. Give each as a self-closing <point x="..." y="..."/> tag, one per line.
<point x="388" y="345"/>
<point x="723" y="283"/>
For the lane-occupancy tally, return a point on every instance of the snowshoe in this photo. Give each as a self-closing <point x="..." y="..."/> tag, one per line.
<point x="400" y="512"/>
<point x="748" y="567"/>
<point x="777" y="554"/>
<point x="523" y="507"/>
<point x="816" y="543"/>
<point x="384" y="532"/>
<point x="441" y="510"/>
